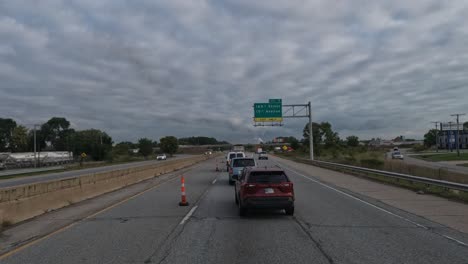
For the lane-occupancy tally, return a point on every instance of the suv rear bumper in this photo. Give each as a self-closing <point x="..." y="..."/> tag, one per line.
<point x="269" y="202"/>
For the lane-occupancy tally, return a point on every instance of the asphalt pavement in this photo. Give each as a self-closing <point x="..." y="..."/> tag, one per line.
<point x="74" y="173"/>
<point x="329" y="226"/>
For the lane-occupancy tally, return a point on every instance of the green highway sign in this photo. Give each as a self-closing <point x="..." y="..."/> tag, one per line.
<point x="268" y="112"/>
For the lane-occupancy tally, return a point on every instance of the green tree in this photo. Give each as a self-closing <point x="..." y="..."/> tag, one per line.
<point x="19" y="139"/>
<point x="465" y="126"/>
<point x="317" y="134"/>
<point x="121" y="148"/>
<point x="430" y="138"/>
<point x="57" y="132"/>
<point x="7" y="125"/>
<point x="146" y="147"/>
<point x="352" y="141"/>
<point x="324" y="137"/>
<point x="169" y="145"/>
<point x="294" y="143"/>
<point x="89" y="142"/>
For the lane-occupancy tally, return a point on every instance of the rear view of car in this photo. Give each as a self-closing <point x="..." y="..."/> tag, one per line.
<point x="263" y="155"/>
<point x="264" y="189"/>
<point x="237" y="166"/>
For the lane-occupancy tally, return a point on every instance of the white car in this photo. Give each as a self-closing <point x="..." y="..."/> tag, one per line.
<point x="161" y="157"/>
<point x="397" y="155"/>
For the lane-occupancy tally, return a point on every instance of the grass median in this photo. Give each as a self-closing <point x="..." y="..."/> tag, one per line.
<point x="442" y="157"/>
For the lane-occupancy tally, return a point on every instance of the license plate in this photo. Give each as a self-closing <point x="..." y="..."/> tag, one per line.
<point x="269" y="190"/>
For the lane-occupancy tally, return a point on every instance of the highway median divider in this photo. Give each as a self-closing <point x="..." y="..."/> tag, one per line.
<point x="23" y="202"/>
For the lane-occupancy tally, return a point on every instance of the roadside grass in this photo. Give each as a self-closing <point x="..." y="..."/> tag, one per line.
<point x="442" y="157"/>
<point x="415" y="186"/>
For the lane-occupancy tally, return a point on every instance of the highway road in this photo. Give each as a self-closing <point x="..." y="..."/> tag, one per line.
<point x="329" y="226"/>
<point x="74" y="173"/>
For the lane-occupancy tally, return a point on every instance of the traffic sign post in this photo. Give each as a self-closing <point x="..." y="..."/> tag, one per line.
<point x="272" y="113"/>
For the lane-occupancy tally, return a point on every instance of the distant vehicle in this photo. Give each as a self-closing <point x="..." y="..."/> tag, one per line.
<point x="232" y="155"/>
<point x="263" y="155"/>
<point x="238" y="148"/>
<point x="397" y="155"/>
<point x="161" y="157"/>
<point x="259" y="150"/>
<point x="208" y="153"/>
<point x="268" y="188"/>
<point x="395" y="149"/>
<point x="238" y="164"/>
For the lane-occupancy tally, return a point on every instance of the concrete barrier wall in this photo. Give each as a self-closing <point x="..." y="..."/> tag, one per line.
<point x="23" y="202"/>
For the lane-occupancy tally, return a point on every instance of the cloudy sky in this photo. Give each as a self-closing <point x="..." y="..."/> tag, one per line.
<point x="179" y="67"/>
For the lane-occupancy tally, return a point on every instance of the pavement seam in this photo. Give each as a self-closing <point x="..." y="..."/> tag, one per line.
<point x="317" y="243"/>
<point x="37" y="239"/>
<point x="345" y="192"/>
<point x="175" y="233"/>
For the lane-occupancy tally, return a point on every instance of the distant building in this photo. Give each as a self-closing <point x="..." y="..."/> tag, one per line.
<point x="447" y="139"/>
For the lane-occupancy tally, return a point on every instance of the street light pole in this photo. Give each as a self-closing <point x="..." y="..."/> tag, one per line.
<point x="311" y="136"/>
<point x="458" y="131"/>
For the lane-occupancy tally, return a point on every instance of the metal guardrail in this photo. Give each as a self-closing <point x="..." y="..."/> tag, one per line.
<point x="440" y="183"/>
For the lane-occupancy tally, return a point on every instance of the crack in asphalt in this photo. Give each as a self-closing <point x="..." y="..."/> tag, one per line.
<point x="316" y="242"/>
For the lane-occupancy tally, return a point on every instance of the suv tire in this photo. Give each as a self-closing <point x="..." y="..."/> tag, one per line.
<point x="290" y="210"/>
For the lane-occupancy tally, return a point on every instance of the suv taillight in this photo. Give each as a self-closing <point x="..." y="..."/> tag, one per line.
<point x="250" y="188"/>
<point x="286" y="187"/>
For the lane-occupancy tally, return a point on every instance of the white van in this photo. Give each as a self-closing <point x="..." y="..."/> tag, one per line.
<point x="232" y="155"/>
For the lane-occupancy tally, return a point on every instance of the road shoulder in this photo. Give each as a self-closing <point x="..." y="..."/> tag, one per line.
<point x="437" y="209"/>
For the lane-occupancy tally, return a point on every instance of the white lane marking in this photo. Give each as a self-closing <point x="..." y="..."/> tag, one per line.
<point x="456" y="240"/>
<point x="360" y="200"/>
<point x="188" y="215"/>
<point x="214" y="181"/>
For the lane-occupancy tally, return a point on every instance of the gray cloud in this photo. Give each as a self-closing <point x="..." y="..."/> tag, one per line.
<point x="155" y="68"/>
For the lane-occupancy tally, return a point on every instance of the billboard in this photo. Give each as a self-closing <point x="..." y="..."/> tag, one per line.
<point x="452" y="127"/>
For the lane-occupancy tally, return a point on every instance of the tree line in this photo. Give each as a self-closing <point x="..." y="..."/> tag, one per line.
<point x="325" y="138"/>
<point x="57" y="135"/>
<point x="200" y="141"/>
<point x="54" y="135"/>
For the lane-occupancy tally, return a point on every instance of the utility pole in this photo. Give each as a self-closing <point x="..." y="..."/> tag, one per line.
<point x="311" y="135"/>
<point x="458" y="132"/>
<point x="450" y="136"/>
<point x="436" y="133"/>
<point x="35" y="159"/>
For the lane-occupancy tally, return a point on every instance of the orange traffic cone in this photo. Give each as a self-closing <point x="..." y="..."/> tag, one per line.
<point x="183" y="202"/>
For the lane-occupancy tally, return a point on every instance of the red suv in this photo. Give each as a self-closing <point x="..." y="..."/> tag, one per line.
<point x="264" y="188"/>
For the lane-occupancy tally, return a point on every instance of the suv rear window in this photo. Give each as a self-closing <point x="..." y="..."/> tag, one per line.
<point x="267" y="177"/>
<point x="240" y="155"/>
<point x="244" y="163"/>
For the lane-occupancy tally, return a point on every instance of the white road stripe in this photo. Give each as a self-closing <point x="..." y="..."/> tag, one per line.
<point x="214" y="181"/>
<point x="372" y="205"/>
<point x="456" y="240"/>
<point x="358" y="199"/>
<point x="188" y="215"/>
